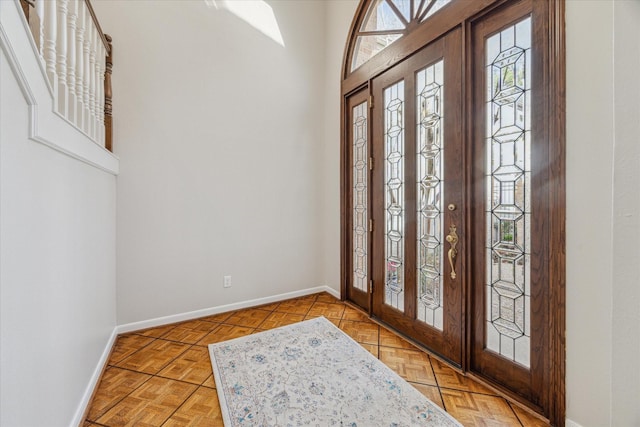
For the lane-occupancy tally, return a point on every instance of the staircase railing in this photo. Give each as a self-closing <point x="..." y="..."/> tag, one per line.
<point x="78" y="60"/>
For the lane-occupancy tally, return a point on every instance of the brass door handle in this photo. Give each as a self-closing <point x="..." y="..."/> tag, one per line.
<point x="452" y="238"/>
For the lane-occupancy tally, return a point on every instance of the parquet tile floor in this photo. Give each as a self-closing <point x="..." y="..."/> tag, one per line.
<point x="162" y="376"/>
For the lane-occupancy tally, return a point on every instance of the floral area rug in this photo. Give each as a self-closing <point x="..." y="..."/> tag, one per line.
<point x="313" y="374"/>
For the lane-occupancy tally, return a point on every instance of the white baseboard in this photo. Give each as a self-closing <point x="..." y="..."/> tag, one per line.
<point x="93" y="381"/>
<point x="165" y="320"/>
<point x="135" y="326"/>
<point x="331" y="291"/>
<point x="569" y="423"/>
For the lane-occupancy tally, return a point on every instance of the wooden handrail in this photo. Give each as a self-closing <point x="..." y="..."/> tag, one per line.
<point x="105" y="41"/>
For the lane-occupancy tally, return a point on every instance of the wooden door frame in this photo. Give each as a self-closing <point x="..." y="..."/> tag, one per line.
<point x="464" y="13"/>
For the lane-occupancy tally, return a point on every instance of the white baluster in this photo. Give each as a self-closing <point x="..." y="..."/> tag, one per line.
<point x="99" y="87"/>
<point x="49" y="44"/>
<point x="92" y="82"/>
<point x="102" y="66"/>
<point x="61" y="48"/>
<point x="88" y="25"/>
<point x="71" y="59"/>
<point x="80" y="31"/>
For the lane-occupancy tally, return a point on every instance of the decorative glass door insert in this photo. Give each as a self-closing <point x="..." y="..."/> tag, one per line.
<point x="429" y="110"/>
<point x="394" y="195"/>
<point x="508" y="183"/>
<point x="360" y="157"/>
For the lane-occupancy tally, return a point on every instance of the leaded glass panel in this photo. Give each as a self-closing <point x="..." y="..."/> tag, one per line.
<point x="404" y="6"/>
<point x="394" y="194"/>
<point x="429" y="111"/>
<point x="360" y="157"/>
<point x="381" y="17"/>
<point x="508" y="184"/>
<point x="432" y="6"/>
<point x="367" y="46"/>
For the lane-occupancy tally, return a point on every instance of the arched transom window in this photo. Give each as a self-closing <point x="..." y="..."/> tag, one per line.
<point x="388" y="20"/>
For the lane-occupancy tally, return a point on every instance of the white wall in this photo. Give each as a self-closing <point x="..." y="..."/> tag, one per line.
<point x="338" y="20"/>
<point x="57" y="270"/>
<point x="625" y="350"/>
<point x="603" y="226"/>
<point x="590" y="134"/>
<point x="217" y="127"/>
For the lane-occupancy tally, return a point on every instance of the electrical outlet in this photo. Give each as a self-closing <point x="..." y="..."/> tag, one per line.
<point x="227" y="282"/>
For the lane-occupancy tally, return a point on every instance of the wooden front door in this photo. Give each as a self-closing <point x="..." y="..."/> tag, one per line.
<point x="418" y="269"/>
<point x="454" y="189"/>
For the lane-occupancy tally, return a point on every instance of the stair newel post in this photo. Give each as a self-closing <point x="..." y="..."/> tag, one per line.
<point x="108" y="117"/>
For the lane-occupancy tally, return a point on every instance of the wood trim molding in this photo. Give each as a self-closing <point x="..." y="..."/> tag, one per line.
<point x="557" y="170"/>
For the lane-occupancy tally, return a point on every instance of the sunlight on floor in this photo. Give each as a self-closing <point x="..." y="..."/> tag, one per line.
<point x="256" y="13"/>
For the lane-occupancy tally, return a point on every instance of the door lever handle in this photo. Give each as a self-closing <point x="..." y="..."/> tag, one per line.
<point x="452" y="238"/>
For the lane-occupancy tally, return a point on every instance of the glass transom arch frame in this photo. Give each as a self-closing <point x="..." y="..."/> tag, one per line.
<point x="386" y="22"/>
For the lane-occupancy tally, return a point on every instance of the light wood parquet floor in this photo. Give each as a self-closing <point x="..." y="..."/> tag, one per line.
<point x="163" y="377"/>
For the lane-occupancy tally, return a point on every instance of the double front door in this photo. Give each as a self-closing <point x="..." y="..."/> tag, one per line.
<point x="447" y="203"/>
<point x="418" y="197"/>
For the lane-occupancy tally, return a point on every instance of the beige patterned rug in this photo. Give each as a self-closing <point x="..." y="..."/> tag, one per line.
<point x="312" y="373"/>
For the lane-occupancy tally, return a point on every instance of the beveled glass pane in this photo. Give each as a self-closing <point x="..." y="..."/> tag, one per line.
<point x="434" y="6"/>
<point x="508" y="183"/>
<point x="429" y="133"/>
<point x="416" y="7"/>
<point x="404" y="6"/>
<point x="360" y="200"/>
<point x="369" y="46"/>
<point x="394" y="195"/>
<point x="381" y="17"/>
